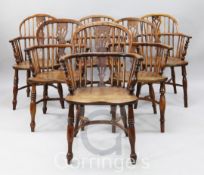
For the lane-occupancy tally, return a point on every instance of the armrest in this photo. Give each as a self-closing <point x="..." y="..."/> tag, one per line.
<point x="21" y="38"/>
<point x="175" y="34"/>
<point x="152" y="44"/>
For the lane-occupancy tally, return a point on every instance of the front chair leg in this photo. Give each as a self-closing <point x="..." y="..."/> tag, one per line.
<point x="15" y="88"/>
<point x="162" y="105"/>
<point x="82" y="111"/>
<point x="70" y="132"/>
<point x="139" y="86"/>
<point x="78" y="115"/>
<point x="152" y="95"/>
<point x="60" y="91"/>
<point x="185" y="84"/>
<point x="131" y="133"/>
<point x="33" y="107"/>
<point x="124" y="117"/>
<point x="45" y="97"/>
<point x="173" y="77"/>
<point x="28" y="87"/>
<point x="113" y="112"/>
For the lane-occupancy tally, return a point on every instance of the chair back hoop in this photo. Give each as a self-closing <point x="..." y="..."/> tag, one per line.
<point x="56" y="31"/>
<point x="96" y="18"/>
<point x="164" y="23"/>
<point x="29" y="25"/>
<point x="142" y="30"/>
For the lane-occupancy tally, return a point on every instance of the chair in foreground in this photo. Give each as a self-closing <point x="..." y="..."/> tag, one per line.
<point x="117" y="92"/>
<point x="105" y="87"/>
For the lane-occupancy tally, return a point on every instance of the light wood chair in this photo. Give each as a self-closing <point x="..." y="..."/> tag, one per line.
<point x="84" y="90"/>
<point x="168" y="32"/>
<point x="26" y="38"/>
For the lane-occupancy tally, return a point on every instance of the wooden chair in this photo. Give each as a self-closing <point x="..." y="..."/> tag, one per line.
<point x="155" y="58"/>
<point x="167" y="29"/>
<point x="44" y="62"/>
<point x="115" y="91"/>
<point x="96" y="18"/>
<point x="51" y="32"/>
<point x="53" y="37"/>
<point x="27" y="33"/>
<point x="142" y="31"/>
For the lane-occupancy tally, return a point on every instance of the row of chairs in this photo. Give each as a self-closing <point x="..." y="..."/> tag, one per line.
<point x="101" y="60"/>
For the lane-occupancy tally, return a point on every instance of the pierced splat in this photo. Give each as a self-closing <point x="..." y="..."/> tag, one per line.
<point x="39" y="21"/>
<point x="156" y="20"/>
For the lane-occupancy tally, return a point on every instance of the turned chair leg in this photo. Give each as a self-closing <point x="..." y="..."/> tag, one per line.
<point x="139" y="86"/>
<point x="70" y="132"/>
<point x="124" y="117"/>
<point x="33" y="107"/>
<point x="162" y="105"/>
<point x="28" y="87"/>
<point x="173" y="77"/>
<point x="45" y="97"/>
<point x="131" y="133"/>
<point x="152" y="96"/>
<point x="113" y="112"/>
<point x="82" y="110"/>
<point x="78" y="115"/>
<point x="60" y="91"/>
<point x="185" y="85"/>
<point x="15" y="88"/>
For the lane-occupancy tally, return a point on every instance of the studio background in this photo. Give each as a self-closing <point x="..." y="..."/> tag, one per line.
<point x="190" y="17"/>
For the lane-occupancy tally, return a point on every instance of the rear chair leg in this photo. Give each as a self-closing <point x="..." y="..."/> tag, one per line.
<point x="15" y="88"/>
<point x="113" y="112"/>
<point x="45" y="97"/>
<point x="60" y="91"/>
<point x="33" y="107"/>
<point x="131" y="133"/>
<point x="185" y="86"/>
<point x="70" y="132"/>
<point x="173" y="77"/>
<point x="124" y="117"/>
<point x="139" y="86"/>
<point x="152" y="95"/>
<point x="162" y="105"/>
<point x="28" y="87"/>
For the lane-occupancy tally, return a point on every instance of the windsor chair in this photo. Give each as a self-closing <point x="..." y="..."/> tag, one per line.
<point x="84" y="90"/>
<point x="27" y="38"/>
<point x="168" y="32"/>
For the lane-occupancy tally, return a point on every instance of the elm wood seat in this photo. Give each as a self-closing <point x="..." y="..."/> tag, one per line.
<point x="101" y="95"/>
<point x="150" y="77"/>
<point x="27" y="33"/>
<point x="167" y="29"/>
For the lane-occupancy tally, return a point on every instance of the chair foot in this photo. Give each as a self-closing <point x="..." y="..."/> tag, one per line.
<point x="33" y="107"/>
<point x="185" y="86"/>
<point x="162" y="105"/>
<point x="70" y="132"/>
<point x="133" y="158"/>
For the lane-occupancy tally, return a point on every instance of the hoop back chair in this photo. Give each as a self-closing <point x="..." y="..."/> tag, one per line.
<point x="168" y="32"/>
<point x="84" y="91"/>
<point x="27" y="38"/>
<point x="155" y="57"/>
<point x="44" y="61"/>
<point x="96" y="18"/>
